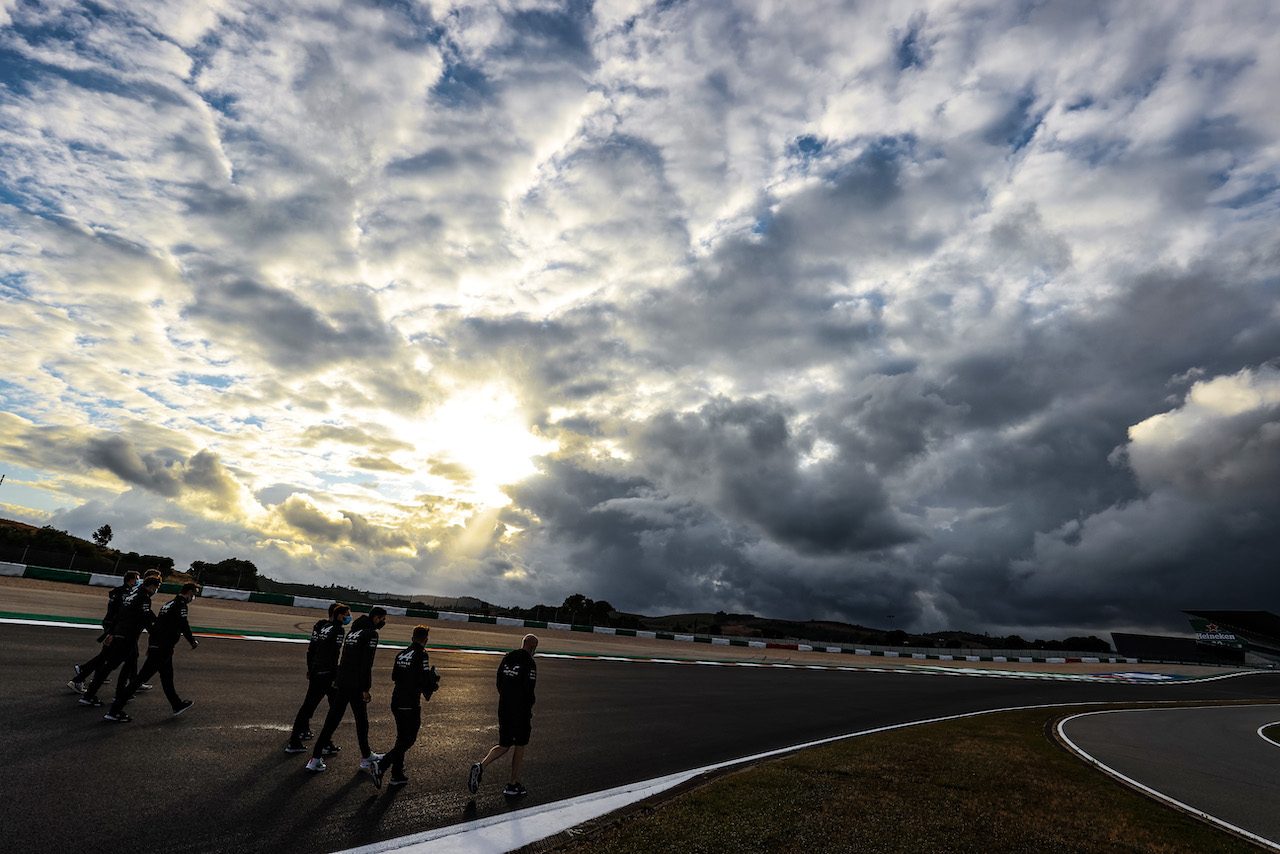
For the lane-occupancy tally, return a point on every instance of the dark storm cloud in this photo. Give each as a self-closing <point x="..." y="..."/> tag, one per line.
<point x="291" y="332"/>
<point x="630" y="541"/>
<point x="151" y="471"/>
<point x="743" y="459"/>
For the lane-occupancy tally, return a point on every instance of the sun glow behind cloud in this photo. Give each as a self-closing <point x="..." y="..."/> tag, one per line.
<point x="480" y="435"/>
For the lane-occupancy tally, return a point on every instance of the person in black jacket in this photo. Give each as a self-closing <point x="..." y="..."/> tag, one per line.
<point x="84" y="671"/>
<point x="517" y="675"/>
<point x="132" y="618"/>
<point x="413" y="678"/>
<point x="355" y="678"/>
<point x="170" y="625"/>
<point x="322" y="668"/>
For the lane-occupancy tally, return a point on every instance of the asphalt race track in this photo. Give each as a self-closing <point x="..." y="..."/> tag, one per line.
<point x="217" y="779"/>
<point x="1210" y="759"/>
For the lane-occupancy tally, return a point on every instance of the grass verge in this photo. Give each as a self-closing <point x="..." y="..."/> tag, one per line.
<point x="988" y="785"/>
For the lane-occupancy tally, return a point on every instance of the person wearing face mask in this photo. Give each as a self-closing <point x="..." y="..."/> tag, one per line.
<point x="355" y="678"/>
<point x="134" y="616"/>
<point x="322" y="668"/>
<point x="84" y="671"/>
<point x="170" y="625"/>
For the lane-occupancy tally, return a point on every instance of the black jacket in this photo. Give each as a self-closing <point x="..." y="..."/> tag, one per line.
<point x="113" y="608"/>
<point x="355" y="671"/>
<point x="134" y="615"/>
<point x="325" y="648"/>
<point x="414" y="677"/>
<point x="517" y="675"/>
<point x="171" y="624"/>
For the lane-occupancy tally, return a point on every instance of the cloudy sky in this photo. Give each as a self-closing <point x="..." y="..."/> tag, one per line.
<point x="960" y="312"/>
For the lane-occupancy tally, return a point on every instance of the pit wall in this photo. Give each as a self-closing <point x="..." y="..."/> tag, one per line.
<point x="71" y="576"/>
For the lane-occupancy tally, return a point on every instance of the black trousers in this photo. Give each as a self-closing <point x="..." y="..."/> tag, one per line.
<point x="319" y="686"/>
<point x="338" y="702"/>
<point x="408" y="723"/>
<point x="127" y="672"/>
<point x="121" y="650"/>
<point x="159" y="660"/>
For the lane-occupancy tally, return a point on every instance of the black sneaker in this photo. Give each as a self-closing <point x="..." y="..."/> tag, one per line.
<point x="306" y="736"/>
<point x="397" y="781"/>
<point x="186" y="704"/>
<point x="473" y="781"/>
<point x="89" y="701"/>
<point x="329" y="749"/>
<point x="375" y="768"/>
<point x="294" y="746"/>
<point x="514" y="789"/>
<point x="118" y="717"/>
<point x="76" y="685"/>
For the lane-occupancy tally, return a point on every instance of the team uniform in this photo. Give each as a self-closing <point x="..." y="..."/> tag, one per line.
<point x="323" y="653"/>
<point x="414" y="678"/>
<point x="134" y="616"/>
<point x="355" y="678"/>
<point x="170" y="625"/>
<point x="84" y="671"/>
<point x="517" y="676"/>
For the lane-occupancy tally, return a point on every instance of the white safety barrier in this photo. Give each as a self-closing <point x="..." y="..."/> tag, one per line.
<point x="225" y="593"/>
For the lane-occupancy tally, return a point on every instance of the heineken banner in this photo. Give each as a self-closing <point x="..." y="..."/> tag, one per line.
<point x="1212" y="634"/>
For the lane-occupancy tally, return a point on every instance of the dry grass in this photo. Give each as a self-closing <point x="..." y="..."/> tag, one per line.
<point x="986" y="785"/>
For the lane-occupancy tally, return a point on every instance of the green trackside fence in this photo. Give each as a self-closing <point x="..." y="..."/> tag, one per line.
<point x="71" y="576"/>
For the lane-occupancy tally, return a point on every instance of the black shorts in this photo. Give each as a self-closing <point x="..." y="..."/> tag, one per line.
<point x="514" y="729"/>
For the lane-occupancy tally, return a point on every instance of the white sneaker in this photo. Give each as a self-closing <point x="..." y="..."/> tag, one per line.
<point x="367" y="762"/>
<point x="316" y="764"/>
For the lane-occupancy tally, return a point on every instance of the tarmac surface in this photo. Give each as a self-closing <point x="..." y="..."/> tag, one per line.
<point x="216" y="779"/>
<point x="1210" y="759"/>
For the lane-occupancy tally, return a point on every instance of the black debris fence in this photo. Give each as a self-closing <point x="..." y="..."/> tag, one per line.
<point x="83" y="560"/>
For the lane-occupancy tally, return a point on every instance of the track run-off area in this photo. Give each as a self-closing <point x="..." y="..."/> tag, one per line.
<point x="612" y="714"/>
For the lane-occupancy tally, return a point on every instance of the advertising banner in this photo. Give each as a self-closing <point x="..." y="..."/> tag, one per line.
<point x="1211" y="634"/>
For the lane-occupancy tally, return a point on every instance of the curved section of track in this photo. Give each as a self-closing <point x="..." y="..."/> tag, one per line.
<point x="1212" y="762"/>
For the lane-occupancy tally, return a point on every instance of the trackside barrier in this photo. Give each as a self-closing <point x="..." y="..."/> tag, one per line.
<point x="73" y="576"/>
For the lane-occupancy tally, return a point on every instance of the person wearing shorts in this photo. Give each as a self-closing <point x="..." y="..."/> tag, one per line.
<point x="517" y="676"/>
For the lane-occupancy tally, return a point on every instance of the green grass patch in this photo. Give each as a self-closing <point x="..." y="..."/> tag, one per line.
<point x="987" y="785"/>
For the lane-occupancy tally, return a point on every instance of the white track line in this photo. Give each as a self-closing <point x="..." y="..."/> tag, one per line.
<point x="1147" y="790"/>
<point x="1266" y="737"/>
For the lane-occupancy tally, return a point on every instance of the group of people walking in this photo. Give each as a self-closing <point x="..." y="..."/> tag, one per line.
<point x="339" y="669"/>
<point x="128" y="615"/>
